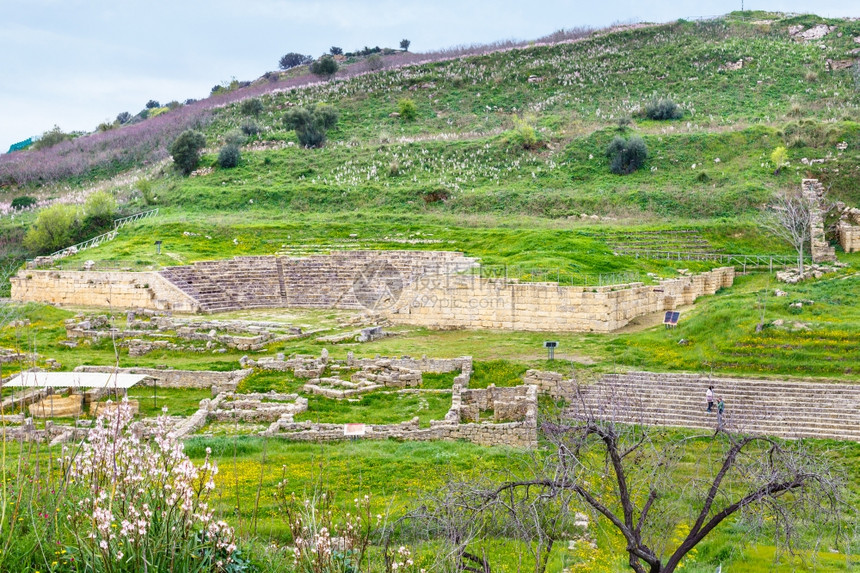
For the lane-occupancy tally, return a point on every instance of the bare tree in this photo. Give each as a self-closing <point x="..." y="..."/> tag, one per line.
<point x="637" y="479"/>
<point x="789" y="219"/>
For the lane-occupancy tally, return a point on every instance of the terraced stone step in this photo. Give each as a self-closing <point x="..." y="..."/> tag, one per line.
<point x="771" y="407"/>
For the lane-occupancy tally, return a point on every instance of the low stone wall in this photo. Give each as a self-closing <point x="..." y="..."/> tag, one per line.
<point x="147" y="290"/>
<point x="471" y="302"/>
<point x="515" y="434"/>
<point x="201" y="379"/>
<point x="422" y="364"/>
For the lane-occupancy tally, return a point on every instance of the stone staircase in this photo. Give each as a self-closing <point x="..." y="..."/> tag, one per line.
<point x="643" y="242"/>
<point x="781" y="408"/>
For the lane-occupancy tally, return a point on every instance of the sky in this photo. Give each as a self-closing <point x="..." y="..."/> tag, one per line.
<point x="77" y="63"/>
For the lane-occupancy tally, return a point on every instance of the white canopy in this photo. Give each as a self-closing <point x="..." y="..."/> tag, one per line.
<point x="74" y="380"/>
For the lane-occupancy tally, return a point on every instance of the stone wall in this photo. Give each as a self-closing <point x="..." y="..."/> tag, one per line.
<point x="821" y="249"/>
<point x="514" y="434"/>
<point x="419" y="288"/>
<point x="100" y="288"/>
<point x="472" y="302"/>
<point x="849" y="237"/>
<point x="201" y="379"/>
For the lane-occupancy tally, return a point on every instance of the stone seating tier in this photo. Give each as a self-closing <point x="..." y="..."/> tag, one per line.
<point x="321" y="281"/>
<point x="770" y="407"/>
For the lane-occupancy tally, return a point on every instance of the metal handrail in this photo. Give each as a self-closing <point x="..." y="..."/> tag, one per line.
<point x="88" y="244"/>
<point x="96" y="241"/>
<point x="726" y="258"/>
<point x="118" y="223"/>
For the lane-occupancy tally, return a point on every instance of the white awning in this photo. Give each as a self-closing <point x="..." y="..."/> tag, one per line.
<point x="74" y="380"/>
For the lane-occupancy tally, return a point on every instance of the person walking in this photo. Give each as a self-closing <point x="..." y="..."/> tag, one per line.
<point x="709" y="396"/>
<point x="720" y="407"/>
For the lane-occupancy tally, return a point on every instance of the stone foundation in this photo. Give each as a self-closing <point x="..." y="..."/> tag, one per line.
<point x="201" y="379"/>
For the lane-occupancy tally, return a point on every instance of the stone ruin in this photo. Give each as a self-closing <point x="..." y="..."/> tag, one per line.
<point x="488" y="416"/>
<point x="147" y="330"/>
<point x="821" y="250"/>
<point x="848" y="228"/>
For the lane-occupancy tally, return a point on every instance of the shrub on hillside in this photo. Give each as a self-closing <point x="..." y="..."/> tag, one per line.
<point x="51" y="138"/>
<point x="292" y="59"/>
<point x="312" y="123"/>
<point x="374" y="62"/>
<point x="55" y="227"/>
<point x="23" y="202"/>
<point x="663" y="109"/>
<point x="626" y="155"/>
<point x="99" y="211"/>
<point x="324" y="67"/>
<point x="252" y="106"/>
<point x="335" y="51"/>
<point x="123" y="117"/>
<point x="250" y="127"/>
<point x="235" y="137"/>
<point x="186" y="150"/>
<point x="229" y="156"/>
<point x="407" y="109"/>
<point x="523" y="135"/>
<point x="152" y="104"/>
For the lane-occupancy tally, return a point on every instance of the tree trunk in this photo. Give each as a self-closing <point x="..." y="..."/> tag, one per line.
<point x="800" y="261"/>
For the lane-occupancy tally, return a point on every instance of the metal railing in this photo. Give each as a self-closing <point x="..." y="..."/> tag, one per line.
<point x="95" y="241"/>
<point x="83" y="246"/>
<point x="119" y="223"/>
<point x="736" y="260"/>
<point x="516" y="273"/>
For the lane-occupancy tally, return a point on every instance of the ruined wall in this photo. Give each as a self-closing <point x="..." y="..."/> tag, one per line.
<point x="821" y="249"/>
<point x="100" y="288"/>
<point x="473" y="302"/>
<point x="514" y="434"/>
<point x="849" y="237"/>
<point x="202" y="379"/>
<point x="424" y="289"/>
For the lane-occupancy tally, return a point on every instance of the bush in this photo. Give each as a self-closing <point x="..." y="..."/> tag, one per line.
<point x="145" y="188"/>
<point x="99" y="210"/>
<point x="407" y="110"/>
<point x="55" y="227"/>
<point x="123" y="117"/>
<point x="374" y="62"/>
<point x="250" y="128"/>
<point x="404" y="45"/>
<point x="335" y="51"/>
<point x="626" y="155"/>
<point x="152" y="104"/>
<point x="292" y="59"/>
<point x="23" y="202"/>
<point x="523" y="135"/>
<point x="235" y="137"/>
<point x="311" y="124"/>
<point x="252" y="106"/>
<point x="229" y="156"/>
<point x="662" y="109"/>
<point x="52" y="138"/>
<point x="186" y="150"/>
<point x="325" y="67"/>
